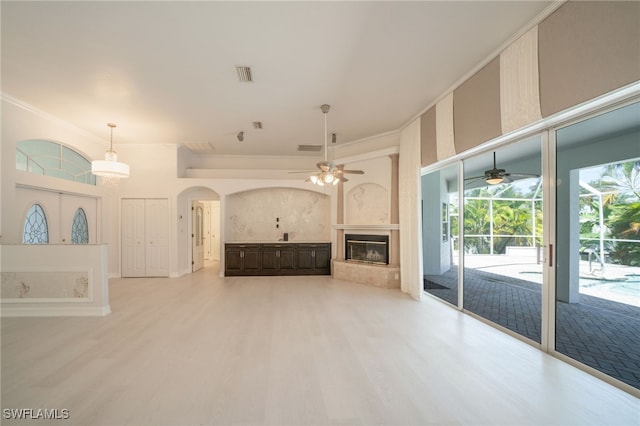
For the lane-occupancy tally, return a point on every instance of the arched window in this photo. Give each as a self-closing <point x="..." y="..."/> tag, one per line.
<point x="79" y="228"/>
<point x="53" y="159"/>
<point x="35" y="226"/>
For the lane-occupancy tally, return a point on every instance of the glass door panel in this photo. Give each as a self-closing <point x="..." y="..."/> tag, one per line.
<point x="502" y="235"/>
<point x="597" y="310"/>
<point x="440" y="233"/>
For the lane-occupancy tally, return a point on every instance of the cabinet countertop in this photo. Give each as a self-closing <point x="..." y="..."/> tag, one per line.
<point x="279" y="242"/>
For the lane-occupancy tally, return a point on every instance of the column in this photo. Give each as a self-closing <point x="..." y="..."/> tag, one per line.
<point x="394" y="241"/>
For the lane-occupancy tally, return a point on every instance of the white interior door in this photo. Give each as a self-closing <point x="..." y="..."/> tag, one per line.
<point x="157" y="237"/>
<point x="133" y="238"/>
<point x="215" y="230"/>
<point x="197" y="235"/>
<point x="207" y="230"/>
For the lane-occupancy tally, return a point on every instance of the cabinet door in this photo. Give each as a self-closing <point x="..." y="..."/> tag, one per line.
<point x="270" y="259"/>
<point x="251" y="259"/>
<point x="133" y="238"/>
<point x="304" y="256"/>
<point x="322" y="258"/>
<point x="287" y="259"/>
<point x="232" y="260"/>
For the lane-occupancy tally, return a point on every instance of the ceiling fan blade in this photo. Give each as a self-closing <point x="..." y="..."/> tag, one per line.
<point x="469" y="181"/>
<point x="522" y="175"/>
<point x="353" y="172"/>
<point x="303" y="171"/>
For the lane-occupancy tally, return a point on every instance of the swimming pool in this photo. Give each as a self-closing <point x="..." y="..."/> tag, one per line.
<point x="627" y="288"/>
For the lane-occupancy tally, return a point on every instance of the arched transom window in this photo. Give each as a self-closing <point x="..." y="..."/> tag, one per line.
<point x="53" y="159"/>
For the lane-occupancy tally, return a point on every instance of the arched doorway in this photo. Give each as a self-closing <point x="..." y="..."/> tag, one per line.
<point x="199" y="229"/>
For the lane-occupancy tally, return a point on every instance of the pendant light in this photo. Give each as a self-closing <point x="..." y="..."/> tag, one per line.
<point x="110" y="167"/>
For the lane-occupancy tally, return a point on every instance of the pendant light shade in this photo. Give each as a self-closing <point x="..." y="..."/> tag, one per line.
<point x="110" y="167"/>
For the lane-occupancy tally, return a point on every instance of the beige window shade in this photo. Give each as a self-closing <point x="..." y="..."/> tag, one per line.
<point x="428" y="148"/>
<point x="445" y="144"/>
<point x="476" y="108"/>
<point x="519" y="88"/>
<point x="587" y="49"/>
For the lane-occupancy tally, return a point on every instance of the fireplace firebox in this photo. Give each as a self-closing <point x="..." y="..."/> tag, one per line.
<point x="367" y="248"/>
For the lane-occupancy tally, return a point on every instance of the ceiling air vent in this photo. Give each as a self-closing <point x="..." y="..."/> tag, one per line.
<point x="257" y="124"/>
<point x="310" y="148"/>
<point x="199" y="147"/>
<point x="244" y="73"/>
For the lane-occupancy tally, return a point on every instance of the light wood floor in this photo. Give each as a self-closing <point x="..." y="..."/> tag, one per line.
<point x="200" y="350"/>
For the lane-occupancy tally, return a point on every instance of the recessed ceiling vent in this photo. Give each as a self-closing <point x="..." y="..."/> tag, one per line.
<point x="199" y="147"/>
<point x="257" y="124"/>
<point x="309" y="148"/>
<point x="244" y="73"/>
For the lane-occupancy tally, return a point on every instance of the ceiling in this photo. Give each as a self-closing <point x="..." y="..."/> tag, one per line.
<point x="164" y="72"/>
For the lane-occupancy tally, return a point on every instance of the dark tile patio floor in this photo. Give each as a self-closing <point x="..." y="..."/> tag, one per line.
<point x="597" y="332"/>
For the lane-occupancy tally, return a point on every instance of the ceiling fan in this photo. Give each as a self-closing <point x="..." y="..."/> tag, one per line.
<point x="328" y="172"/>
<point x="495" y="176"/>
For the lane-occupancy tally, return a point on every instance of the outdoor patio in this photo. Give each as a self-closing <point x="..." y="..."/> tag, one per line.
<point x="601" y="333"/>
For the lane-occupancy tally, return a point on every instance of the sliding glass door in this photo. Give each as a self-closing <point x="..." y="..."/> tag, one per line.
<point x="440" y="242"/>
<point x="502" y="234"/>
<point x="542" y="238"/>
<point x="597" y="300"/>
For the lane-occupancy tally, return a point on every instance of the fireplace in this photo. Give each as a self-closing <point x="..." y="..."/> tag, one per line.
<point x="367" y="248"/>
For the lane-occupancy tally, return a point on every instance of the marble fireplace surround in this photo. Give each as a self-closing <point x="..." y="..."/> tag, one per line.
<point x="384" y="276"/>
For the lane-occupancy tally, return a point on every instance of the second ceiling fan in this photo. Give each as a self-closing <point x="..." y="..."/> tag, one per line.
<point x="495" y="175"/>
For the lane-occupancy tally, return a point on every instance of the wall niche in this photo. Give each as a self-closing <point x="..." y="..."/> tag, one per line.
<point x="266" y="214"/>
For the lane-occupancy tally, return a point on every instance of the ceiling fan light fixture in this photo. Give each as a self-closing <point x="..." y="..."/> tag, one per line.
<point x="494" y="180"/>
<point x="110" y="167"/>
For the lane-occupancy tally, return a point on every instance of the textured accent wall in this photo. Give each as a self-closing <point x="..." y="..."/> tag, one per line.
<point x="368" y="204"/>
<point x="587" y="49"/>
<point x="253" y="215"/>
<point x="476" y="108"/>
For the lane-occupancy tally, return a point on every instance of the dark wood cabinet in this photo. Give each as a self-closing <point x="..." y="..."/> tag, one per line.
<point x="278" y="259"/>
<point x="314" y="258"/>
<point x="242" y="259"/>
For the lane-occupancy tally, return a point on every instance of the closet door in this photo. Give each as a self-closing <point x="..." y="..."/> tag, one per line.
<point x="133" y="238"/>
<point x="145" y="237"/>
<point x="157" y="237"/>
